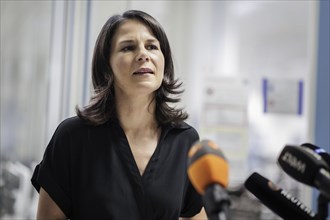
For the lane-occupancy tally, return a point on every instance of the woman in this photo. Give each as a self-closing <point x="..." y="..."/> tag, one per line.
<point x="124" y="156"/>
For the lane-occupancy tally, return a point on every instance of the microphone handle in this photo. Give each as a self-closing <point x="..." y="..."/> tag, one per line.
<point x="322" y="207"/>
<point x="322" y="182"/>
<point x="219" y="216"/>
<point x="216" y="202"/>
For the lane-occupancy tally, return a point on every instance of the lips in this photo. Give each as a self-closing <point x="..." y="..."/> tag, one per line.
<point x="143" y="71"/>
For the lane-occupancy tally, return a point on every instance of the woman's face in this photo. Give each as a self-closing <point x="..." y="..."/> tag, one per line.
<point x="136" y="59"/>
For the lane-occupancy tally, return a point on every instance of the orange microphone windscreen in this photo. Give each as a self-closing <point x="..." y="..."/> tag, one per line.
<point x="207" y="165"/>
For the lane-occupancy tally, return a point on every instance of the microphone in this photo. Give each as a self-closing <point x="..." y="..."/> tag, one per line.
<point x="208" y="173"/>
<point x="306" y="166"/>
<point x="325" y="155"/>
<point x="278" y="200"/>
<point x="322" y="200"/>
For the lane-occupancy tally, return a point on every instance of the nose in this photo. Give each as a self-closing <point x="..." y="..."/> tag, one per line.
<point x="142" y="55"/>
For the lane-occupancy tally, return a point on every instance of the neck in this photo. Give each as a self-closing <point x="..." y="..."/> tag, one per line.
<point x="137" y="113"/>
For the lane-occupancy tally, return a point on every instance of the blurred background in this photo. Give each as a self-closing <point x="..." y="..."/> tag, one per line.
<point x="255" y="73"/>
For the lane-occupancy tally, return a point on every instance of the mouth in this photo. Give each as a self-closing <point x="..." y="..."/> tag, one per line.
<point x="143" y="71"/>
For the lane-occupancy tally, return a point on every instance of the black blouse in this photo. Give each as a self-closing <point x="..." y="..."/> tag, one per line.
<point x="90" y="172"/>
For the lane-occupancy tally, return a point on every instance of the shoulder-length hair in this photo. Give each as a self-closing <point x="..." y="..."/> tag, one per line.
<point x="102" y="104"/>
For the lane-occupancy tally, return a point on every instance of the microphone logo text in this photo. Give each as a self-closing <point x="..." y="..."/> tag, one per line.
<point x="294" y="162"/>
<point x="298" y="203"/>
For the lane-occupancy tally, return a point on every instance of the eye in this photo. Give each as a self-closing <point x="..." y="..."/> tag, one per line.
<point x="152" y="47"/>
<point x="127" y="48"/>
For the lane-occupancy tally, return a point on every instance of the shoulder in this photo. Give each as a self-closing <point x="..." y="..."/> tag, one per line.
<point x="183" y="132"/>
<point x="68" y="125"/>
<point x="71" y="123"/>
<point x="73" y="126"/>
<point x="75" y="132"/>
<point x="186" y="128"/>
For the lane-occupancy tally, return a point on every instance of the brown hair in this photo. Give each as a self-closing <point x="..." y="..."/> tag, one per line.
<point x="102" y="104"/>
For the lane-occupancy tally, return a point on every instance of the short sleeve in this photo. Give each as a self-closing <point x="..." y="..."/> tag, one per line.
<point x="193" y="202"/>
<point x="53" y="172"/>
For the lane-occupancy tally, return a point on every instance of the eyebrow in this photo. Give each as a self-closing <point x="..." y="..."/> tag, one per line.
<point x="132" y="41"/>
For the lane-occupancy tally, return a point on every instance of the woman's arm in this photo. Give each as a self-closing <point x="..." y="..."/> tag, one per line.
<point x="200" y="216"/>
<point x="47" y="208"/>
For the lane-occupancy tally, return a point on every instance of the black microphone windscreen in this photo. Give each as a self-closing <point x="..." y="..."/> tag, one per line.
<point x="325" y="155"/>
<point x="302" y="164"/>
<point x="278" y="200"/>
